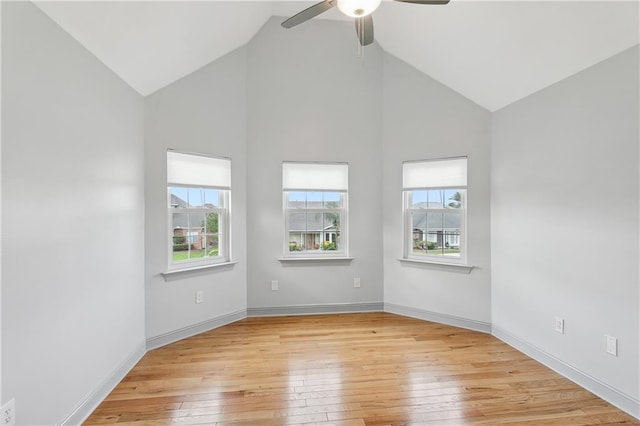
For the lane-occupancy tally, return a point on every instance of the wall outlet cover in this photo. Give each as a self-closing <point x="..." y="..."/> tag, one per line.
<point x="559" y="327"/>
<point x="611" y="345"/>
<point x="8" y="417"/>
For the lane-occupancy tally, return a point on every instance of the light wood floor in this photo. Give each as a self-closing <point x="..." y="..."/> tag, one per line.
<point x="351" y="369"/>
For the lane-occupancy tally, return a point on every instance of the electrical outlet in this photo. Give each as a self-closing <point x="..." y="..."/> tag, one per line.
<point x="356" y="282"/>
<point x="199" y="296"/>
<point x="8" y="417"/>
<point x="611" y="345"/>
<point x="274" y="285"/>
<point x="559" y="325"/>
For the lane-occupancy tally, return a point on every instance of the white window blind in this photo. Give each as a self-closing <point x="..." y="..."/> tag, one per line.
<point x="197" y="170"/>
<point x="447" y="173"/>
<point x="315" y="177"/>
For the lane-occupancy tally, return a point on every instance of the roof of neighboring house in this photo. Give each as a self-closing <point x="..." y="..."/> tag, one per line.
<point x="436" y="221"/>
<point x="309" y="222"/>
<point x="178" y="202"/>
<point x="180" y="219"/>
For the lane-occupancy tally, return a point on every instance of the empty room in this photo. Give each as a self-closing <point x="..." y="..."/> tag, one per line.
<point x="336" y="212"/>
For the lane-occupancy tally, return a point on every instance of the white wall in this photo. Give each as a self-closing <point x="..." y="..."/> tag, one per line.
<point x="1" y="400"/>
<point x="565" y="221"/>
<point x="312" y="99"/>
<point x="205" y="113"/>
<point x="72" y="210"/>
<point x="425" y="120"/>
<point x="73" y="157"/>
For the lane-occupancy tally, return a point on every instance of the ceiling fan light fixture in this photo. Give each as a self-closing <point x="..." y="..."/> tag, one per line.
<point x="358" y="8"/>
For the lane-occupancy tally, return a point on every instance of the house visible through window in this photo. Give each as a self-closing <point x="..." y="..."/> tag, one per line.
<point x="198" y="194"/>
<point x="315" y="209"/>
<point x="434" y="195"/>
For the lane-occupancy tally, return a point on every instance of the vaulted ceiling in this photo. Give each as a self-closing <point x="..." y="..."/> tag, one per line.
<point x="492" y="52"/>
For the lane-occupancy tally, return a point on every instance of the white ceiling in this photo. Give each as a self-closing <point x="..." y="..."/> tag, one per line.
<point x="494" y="52"/>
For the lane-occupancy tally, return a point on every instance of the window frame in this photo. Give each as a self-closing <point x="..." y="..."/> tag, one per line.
<point x="342" y="250"/>
<point x="408" y="212"/>
<point x="224" y="220"/>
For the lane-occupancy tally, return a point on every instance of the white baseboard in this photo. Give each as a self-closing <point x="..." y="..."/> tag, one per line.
<point x="88" y="404"/>
<point x="621" y="400"/>
<point x="173" y="336"/>
<point x="334" y="308"/>
<point x="454" y="321"/>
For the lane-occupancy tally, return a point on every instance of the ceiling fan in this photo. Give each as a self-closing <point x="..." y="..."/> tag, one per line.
<point x="359" y="9"/>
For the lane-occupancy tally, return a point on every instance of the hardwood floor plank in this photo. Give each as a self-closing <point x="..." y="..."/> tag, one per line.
<point x="350" y="370"/>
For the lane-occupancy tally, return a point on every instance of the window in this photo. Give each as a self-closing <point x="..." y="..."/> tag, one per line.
<point x="434" y="194"/>
<point x="315" y="209"/>
<point x="198" y="197"/>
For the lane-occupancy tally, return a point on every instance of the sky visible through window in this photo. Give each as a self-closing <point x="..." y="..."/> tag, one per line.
<point x="316" y="196"/>
<point x="197" y="197"/>
<point x="437" y="196"/>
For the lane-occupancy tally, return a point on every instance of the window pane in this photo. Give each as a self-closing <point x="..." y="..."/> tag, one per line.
<point x="313" y="241"/>
<point x="211" y="224"/>
<point x="297" y="222"/>
<point x="180" y="221"/>
<point x="212" y="245"/>
<point x="296" y="241"/>
<point x="331" y="231"/>
<point x="332" y="200"/>
<point x="315" y="222"/>
<point x="427" y="199"/>
<point x="436" y="234"/>
<point x="180" y="240"/>
<point x="314" y="200"/>
<point x="297" y="200"/>
<point x="437" y="198"/>
<point x="454" y="198"/>
<point x="419" y="232"/>
<point x="212" y="198"/>
<point x="331" y="222"/>
<point x="177" y="197"/>
<point x="419" y="221"/>
<point x="195" y="197"/>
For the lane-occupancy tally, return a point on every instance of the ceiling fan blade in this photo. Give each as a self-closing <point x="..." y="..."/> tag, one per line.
<point x="309" y="13"/>
<point x="424" y="1"/>
<point x="364" y="29"/>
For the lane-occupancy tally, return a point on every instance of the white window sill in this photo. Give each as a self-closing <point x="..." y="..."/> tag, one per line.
<point x="315" y="259"/>
<point x="175" y="273"/>
<point x="443" y="266"/>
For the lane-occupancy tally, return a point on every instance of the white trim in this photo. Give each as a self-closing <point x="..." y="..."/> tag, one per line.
<point x="469" y="324"/>
<point x="90" y="402"/>
<point x="442" y="266"/>
<point x="174" y="273"/>
<point x="625" y="402"/>
<point x="334" y="308"/>
<point x="182" y="333"/>
<point x="314" y="259"/>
